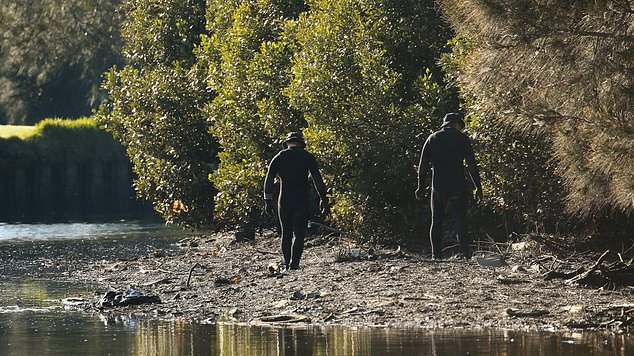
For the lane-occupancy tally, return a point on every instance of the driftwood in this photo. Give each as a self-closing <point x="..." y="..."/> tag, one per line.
<point x="613" y="275"/>
<point x="530" y="313"/>
<point x="285" y="319"/>
<point x="191" y="270"/>
<point x="563" y="275"/>
<point x="614" y="317"/>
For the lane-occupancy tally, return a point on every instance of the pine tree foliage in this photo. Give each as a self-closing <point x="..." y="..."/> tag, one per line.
<point x="566" y="68"/>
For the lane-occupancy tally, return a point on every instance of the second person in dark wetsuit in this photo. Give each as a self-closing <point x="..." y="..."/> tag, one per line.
<point x="445" y="151"/>
<point x="292" y="165"/>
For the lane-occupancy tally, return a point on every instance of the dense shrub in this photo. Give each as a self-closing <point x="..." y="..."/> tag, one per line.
<point x="155" y="108"/>
<point x="358" y="76"/>
<point x="364" y="77"/>
<point x="249" y="62"/>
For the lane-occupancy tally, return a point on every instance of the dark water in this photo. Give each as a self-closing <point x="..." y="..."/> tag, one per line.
<point x="33" y="321"/>
<point x="33" y="333"/>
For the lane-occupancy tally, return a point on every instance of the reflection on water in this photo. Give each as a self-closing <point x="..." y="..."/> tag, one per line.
<point x="82" y="231"/>
<point x="76" y="334"/>
<point x="19" y="295"/>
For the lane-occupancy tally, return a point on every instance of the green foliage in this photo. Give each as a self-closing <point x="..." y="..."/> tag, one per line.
<point x="155" y="109"/>
<point x="366" y="106"/>
<point x="162" y="31"/>
<point x="356" y="76"/>
<point x="249" y="56"/>
<point x="564" y="68"/>
<point x="64" y="140"/>
<point x="52" y="55"/>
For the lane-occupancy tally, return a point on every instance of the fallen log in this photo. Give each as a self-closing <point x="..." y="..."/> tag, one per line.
<point x="613" y="275"/>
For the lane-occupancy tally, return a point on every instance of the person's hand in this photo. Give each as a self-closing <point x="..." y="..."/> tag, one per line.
<point x="421" y="193"/>
<point x="478" y="196"/>
<point x="325" y="207"/>
<point x="268" y="207"/>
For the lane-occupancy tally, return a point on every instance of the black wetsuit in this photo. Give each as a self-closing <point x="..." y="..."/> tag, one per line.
<point x="292" y="165"/>
<point x="445" y="151"/>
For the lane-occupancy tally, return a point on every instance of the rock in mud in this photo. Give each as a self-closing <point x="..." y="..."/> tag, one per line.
<point x="298" y="295"/>
<point x="512" y="278"/>
<point x="234" y="313"/>
<point x="491" y="261"/>
<point x="130" y="296"/>
<point x="225" y="281"/>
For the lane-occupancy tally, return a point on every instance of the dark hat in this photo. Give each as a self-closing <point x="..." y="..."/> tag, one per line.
<point x="452" y="117"/>
<point x="294" y="136"/>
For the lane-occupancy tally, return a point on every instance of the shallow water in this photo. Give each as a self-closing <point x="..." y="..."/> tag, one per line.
<point x="32" y="333"/>
<point x="33" y="321"/>
<point x="81" y="231"/>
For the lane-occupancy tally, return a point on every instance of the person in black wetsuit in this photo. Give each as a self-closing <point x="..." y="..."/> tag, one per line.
<point x="292" y="165"/>
<point x="445" y="151"/>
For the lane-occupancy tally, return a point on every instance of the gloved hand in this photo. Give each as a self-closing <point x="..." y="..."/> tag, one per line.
<point x="268" y="207"/>
<point x="478" y="196"/>
<point x="325" y="207"/>
<point x="422" y="193"/>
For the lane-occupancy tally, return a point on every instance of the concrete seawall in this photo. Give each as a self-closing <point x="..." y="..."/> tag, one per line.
<point x="39" y="190"/>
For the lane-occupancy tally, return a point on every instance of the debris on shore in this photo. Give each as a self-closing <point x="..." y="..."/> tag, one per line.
<point x="210" y="278"/>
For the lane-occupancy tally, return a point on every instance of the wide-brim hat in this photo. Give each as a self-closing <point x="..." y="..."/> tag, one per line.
<point x="295" y="136"/>
<point x="452" y="117"/>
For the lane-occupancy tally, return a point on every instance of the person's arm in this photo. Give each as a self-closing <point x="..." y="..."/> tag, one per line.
<point x="472" y="169"/>
<point x="317" y="179"/>
<point x="423" y="167"/>
<point x="269" y="182"/>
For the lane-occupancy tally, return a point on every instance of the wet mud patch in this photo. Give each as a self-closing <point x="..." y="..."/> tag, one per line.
<point x="213" y="278"/>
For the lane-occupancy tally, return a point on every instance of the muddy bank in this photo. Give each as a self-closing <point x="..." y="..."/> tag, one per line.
<point x="213" y="278"/>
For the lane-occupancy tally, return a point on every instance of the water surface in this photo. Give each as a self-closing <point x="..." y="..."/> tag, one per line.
<point x="32" y="333"/>
<point x="83" y="231"/>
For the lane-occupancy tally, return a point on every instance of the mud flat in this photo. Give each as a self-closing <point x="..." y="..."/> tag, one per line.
<point x="213" y="278"/>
